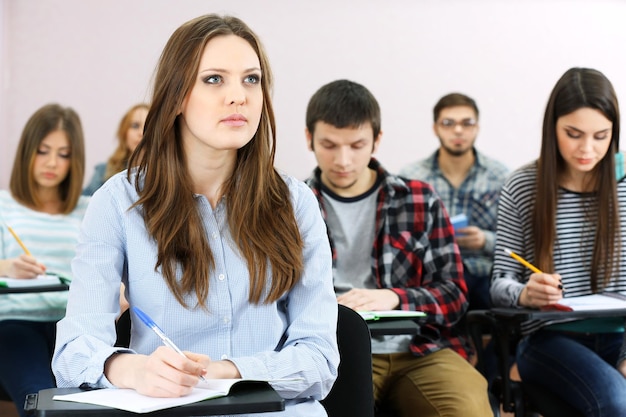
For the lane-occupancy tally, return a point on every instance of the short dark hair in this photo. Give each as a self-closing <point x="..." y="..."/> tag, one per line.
<point x="454" y="100"/>
<point x="343" y="103"/>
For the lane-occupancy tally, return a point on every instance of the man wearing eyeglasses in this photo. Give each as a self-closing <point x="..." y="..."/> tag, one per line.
<point x="469" y="184"/>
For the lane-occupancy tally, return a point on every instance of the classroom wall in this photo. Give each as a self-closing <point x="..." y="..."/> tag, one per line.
<point x="98" y="56"/>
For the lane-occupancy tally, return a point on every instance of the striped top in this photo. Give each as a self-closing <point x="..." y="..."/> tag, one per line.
<point x="51" y="238"/>
<point x="575" y="227"/>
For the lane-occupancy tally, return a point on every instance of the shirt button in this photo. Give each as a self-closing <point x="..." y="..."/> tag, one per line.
<point x="226" y="320"/>
<point x="215" y="235"/>
<point x="224" y="357"/>
<point x="221" y="277"/>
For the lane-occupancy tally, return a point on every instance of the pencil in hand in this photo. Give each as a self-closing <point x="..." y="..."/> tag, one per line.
<point x="527" y="264"/>
<point x="19" y="241"/>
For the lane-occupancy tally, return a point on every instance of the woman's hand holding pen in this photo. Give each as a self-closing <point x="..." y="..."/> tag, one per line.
<point x="540" y="290"/>
<point x="24" y="266"/>
<point x="164" y="373"/>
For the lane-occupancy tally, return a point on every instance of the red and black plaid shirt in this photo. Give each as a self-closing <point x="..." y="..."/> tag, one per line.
<point x="415" y="255"/>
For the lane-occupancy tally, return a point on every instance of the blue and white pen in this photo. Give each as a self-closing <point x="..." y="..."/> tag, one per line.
<point x="166" y="340"/>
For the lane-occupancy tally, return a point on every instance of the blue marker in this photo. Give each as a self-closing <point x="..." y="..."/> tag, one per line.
<point x="166" y="340"/>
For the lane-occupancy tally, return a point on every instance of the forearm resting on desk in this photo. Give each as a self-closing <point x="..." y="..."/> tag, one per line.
<point x="361" y="299"/>
<point x="164" y="373"/>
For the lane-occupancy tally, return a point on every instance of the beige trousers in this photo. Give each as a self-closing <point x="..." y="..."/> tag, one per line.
<point x="441" y="384"/>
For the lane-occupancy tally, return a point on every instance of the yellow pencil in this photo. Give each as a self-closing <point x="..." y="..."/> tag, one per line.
<point x="19" y="241"/>
<point x="523" y="261"/>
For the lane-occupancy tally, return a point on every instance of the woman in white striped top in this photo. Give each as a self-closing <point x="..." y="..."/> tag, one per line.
<point x="565" y="213"/>
<point x="44" y="208"/>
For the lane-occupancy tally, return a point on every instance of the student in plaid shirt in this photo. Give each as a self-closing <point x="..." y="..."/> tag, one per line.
<point x="393" y="248"/>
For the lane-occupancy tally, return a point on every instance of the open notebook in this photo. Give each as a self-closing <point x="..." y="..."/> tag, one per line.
<point x="603" y="301"/>
<point x="39" y="281"/>
<point x="390" y="314"/>
<point x="131" y="400"/>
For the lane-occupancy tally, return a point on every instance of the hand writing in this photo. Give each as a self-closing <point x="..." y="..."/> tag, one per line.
<point x="24" y="266"/>
<point x="164" y="373"/>
<point x="541" y="290"/>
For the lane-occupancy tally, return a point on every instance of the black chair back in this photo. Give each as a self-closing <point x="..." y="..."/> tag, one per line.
<point x="353" y="392"/>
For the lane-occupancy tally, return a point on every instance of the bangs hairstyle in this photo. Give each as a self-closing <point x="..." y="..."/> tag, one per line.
<point x="119" y="159"/>
<point x="579" y="88"/>
<point x="260" y="216"/>
<point x="341" y="104"/>
<point x="47" y="119"/>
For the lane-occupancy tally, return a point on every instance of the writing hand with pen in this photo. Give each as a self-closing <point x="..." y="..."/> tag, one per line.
<point x="541" y="289"/>
<point x="166" y="372"/>
<point x="24" y="267"/>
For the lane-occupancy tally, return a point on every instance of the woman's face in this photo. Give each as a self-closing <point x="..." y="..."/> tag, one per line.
<point x="223" y="109"/>
<point x="134" y="134"/>
<point x="52" y="160"/>
<point x="583" y="138"/>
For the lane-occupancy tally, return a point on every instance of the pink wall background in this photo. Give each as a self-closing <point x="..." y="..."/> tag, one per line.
<point x="98" y="57"/>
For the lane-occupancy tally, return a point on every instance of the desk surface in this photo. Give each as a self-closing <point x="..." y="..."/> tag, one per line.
<point x="247" y="398"/>
<point x="526" y="314"/>
<point x="392" y="327"/>
<point x="36" y="288"/>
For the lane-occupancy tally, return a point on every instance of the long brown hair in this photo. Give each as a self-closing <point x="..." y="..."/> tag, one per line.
<point x="47" y="119"/>
<point x="579" y="88"/>
<point x="260" y="215"/>
<point x="118" y="161"/>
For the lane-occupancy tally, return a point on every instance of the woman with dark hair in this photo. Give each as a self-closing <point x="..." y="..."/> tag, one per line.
<point x="565" y="213"/>
<point x="129" y="134"/>
<point x="44" y="208"/>
<point x="228" y="256"/>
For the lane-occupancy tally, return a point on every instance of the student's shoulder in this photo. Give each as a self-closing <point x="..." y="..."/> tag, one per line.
<point x="494" y="167"/>
<point x="298" y="189"/>
<point x="5" y="195"/>
<point x="119" y="187"/>
<point x="417" y="169"/>
<point x="522" y="179"/>
<point x="411" y="187"/>
<point x="7" y="200"/>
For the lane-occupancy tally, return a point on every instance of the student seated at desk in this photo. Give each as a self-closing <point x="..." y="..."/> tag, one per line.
<point x="566" y="214"/>
<point x="229" y="257"/>
<point x="44" y="208"/>
<point x="393" y="248"/>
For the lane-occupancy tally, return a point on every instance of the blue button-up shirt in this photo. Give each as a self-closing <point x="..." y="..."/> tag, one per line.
<point x="294" y="337"/>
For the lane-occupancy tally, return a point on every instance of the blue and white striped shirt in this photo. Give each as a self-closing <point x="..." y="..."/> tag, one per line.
<point x="294" y="337"/>
<point x="51" y="238"/>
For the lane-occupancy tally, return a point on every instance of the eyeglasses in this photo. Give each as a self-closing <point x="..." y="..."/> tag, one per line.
<point x="452" y="124"/>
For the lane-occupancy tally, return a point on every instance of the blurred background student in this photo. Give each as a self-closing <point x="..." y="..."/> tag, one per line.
<point x="44" y="208"/>
<point x="129" y="134"/>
